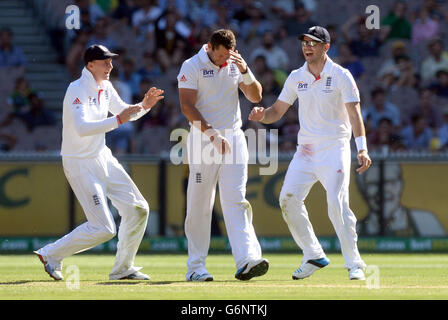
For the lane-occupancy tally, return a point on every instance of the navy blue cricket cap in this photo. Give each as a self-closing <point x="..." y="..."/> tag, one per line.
<point x="97" y="52"/>
<point x="317" y="33"/>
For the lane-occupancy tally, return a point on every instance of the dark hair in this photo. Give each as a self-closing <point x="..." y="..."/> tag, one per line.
<point x="223" y="37"/>
<point x="376" y="91"/>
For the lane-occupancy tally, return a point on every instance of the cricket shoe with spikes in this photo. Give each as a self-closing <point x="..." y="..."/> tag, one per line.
<point x="137" y="275"/>
<point x="254" y="268"/>
<point x="356" y="273"/>
<point x="196" y="277"/>
<point x="53" y="268"/>
<point x="308" y="268"/>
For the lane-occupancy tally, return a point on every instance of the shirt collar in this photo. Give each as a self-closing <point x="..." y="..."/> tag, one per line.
<point x="325" y="71"/>
<point x="203" y="56"/>
<point x="87" y="77"/>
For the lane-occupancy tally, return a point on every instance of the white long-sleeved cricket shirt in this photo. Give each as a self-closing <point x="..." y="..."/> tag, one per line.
<point x="85" y="116"/>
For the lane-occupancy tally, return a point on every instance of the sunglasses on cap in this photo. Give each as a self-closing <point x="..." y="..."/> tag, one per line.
<point x="310" y="43"/>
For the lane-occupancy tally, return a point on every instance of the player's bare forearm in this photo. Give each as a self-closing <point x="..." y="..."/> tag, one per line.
<point x="271" y="114"/>
<point x="253" y="91"/>
<point x="195" y="117"/>
<point x="188" y="99"/>
<point x="354" y="114"/>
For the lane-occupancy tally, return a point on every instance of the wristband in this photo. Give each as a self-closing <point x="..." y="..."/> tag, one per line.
<point x="361" y="143"/>
<point x="119" y="120"/>
<point x="211" y="132"/>
<point x="248" y="77"/>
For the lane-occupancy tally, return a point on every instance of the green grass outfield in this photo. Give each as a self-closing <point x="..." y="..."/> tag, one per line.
<point x="401" y="276"/>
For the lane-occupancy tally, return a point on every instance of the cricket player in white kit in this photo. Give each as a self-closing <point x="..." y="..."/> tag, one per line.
<point x="208" y="91"/>
<point x="329" y="109"/>
<point x="94" y="173"/>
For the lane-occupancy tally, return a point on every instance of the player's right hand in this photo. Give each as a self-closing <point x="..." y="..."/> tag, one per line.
<point x="257" y="114"/>
<point x="127" y="113"/>
<point x="221" y="144"/>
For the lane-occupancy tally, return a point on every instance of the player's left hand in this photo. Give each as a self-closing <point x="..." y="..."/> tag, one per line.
<point x="152" y="97"/>
<point x="364" y="161"/>
<point x="238" y="60"/>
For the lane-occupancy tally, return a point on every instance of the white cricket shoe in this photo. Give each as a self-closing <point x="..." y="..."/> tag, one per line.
<point x="308" y="268"/>
<point x="196" y="277"/>
<point x="356" y="273"/>
<point x="53" y="268"/>
<point x="137" y="275"/>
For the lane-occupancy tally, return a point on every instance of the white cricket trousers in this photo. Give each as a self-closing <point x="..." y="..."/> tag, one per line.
<point x="237" y="212"/>
<point x="93" y="181"/>
<point x="329" y="163"/>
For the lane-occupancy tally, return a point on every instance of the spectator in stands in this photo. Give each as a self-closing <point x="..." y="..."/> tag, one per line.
<point x="270" y="86"/>
<point x="381" y="109"/>
<point x="436" y="9"/>
<point x="143" y="20"/>
<point x="437" y="60"/>
<point x="366" y="43"/>
<point x="349" y="61"/>
<point x="333" y="52"/>
<point x="395" y="24"/>
<point x="170" y="44"/>
<point x="300" y="22"/>
<point x="93" y="10"/>
<point x="150" y="69"/>
<point x="384" y="137"/>
<point x="129" y="75"/>
<point x="10" y="55"/>
<point x="442" y="132"/>
<point x="19" y="99"/>
<point x="424" y="28"/>
<point x="124" y="12"/>
<point x="427" y="109"/>
<point x="440" y="87"/>
<point x="76" y="52"/>
<point x="121" y="139"/>
<point x="240" y="10"/>
<point x="197" y="39"/>
<point x="257" y="25"/>
<point x="290" y="127"/>
<point x="407" y="76"/>
<point x="153" y="118"/>
<point x="38" y="115"/>
<point x="389" y="71"/>
<point x="284" y="9"/>
<point x="417" y="135"/>
<point x="175" y="118"/>
<point x="7" y="142"/>
<point x="183" y="7"/>
<point x="101" y="35"/>
<point x="204" y="13"/>
<point x="276" y="57"/>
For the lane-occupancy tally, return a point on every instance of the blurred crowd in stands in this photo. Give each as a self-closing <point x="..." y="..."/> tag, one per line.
<point x="401" y="69"/>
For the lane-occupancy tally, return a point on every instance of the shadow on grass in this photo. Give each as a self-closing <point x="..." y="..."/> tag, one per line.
<point x="24" y="282"/>
<point x="133" y="282"/>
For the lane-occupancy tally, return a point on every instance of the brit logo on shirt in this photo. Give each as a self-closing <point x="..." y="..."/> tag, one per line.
<point x="207" y="73"/>
<point x="302" y="86"/>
